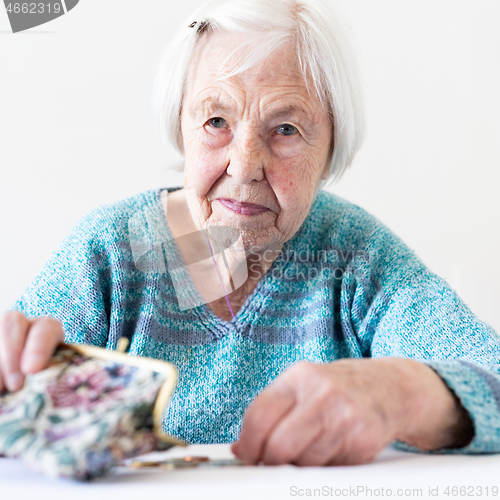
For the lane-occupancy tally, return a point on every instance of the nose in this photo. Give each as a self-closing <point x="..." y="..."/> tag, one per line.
<point x="247" y="158"/>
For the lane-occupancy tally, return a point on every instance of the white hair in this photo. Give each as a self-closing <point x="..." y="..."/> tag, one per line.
<point x="325" y="50"/>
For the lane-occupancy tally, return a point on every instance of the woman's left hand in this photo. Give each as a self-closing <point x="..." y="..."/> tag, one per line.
<point x="347" y="411"/>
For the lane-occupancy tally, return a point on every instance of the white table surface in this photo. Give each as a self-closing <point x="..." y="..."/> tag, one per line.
<point x="404" y="474"/>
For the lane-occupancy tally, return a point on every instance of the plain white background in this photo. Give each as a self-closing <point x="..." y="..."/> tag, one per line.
<point x="76" y="129"/>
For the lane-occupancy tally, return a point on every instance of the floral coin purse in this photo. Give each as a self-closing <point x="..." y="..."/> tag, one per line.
<point x="88" y="411"/>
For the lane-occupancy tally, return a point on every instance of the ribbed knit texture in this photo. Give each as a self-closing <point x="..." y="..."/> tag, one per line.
<point x="344" y="287"/>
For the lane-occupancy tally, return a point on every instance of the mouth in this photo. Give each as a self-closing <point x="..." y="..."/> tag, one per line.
<point x="241" y="207"/>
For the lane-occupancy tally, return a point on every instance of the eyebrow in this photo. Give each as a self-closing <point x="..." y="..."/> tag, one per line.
<point x="291" y="109"/>
<point x="211" y="103"/>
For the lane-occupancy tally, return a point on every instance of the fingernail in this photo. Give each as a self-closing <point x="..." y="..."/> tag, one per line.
<point x="14" y="381"/>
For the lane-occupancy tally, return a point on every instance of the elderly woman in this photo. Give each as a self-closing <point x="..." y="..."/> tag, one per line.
<point x="302" y="328"/>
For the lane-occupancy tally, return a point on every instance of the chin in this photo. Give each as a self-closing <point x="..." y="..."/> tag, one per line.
<point x="262" y="240"/>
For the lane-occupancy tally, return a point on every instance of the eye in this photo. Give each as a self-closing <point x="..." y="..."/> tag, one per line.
<point x="286" y="129"/>
<point x="217" y="122"/>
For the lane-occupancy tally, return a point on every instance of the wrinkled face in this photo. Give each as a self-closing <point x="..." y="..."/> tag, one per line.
<point x="256" y="144"/>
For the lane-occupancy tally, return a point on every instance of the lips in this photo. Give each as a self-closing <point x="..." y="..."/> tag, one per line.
<point x="241" y="207"/>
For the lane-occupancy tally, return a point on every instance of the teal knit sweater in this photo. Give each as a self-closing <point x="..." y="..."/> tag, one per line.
<point x="344" y="287"/>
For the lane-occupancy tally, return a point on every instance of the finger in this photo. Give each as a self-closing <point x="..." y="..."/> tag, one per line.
<point x="339" y="427"/>
<point x="351" y="441"/>
<point x="293" y="435"/>
<point x="351" y="452"/>
<point x="2" y="385"/>
<point x="260" y="419"/>
<point x="13" y="330"/>
<point x="45" y="335"/>
<point x="325" y="449"/>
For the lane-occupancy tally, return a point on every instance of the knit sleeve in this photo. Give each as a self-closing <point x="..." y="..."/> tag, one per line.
<point x="75" y="284"/>
<point x="396" y="307"/>
<point x="427" y="321"/>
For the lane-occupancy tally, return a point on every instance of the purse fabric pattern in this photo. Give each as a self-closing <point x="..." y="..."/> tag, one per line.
<point x="81" y="416"/>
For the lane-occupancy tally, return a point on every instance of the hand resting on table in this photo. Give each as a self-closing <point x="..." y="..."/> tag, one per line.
<point x="346" y="412"/>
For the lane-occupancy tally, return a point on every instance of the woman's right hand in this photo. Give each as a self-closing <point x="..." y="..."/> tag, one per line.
<point x="26" y="346"/>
